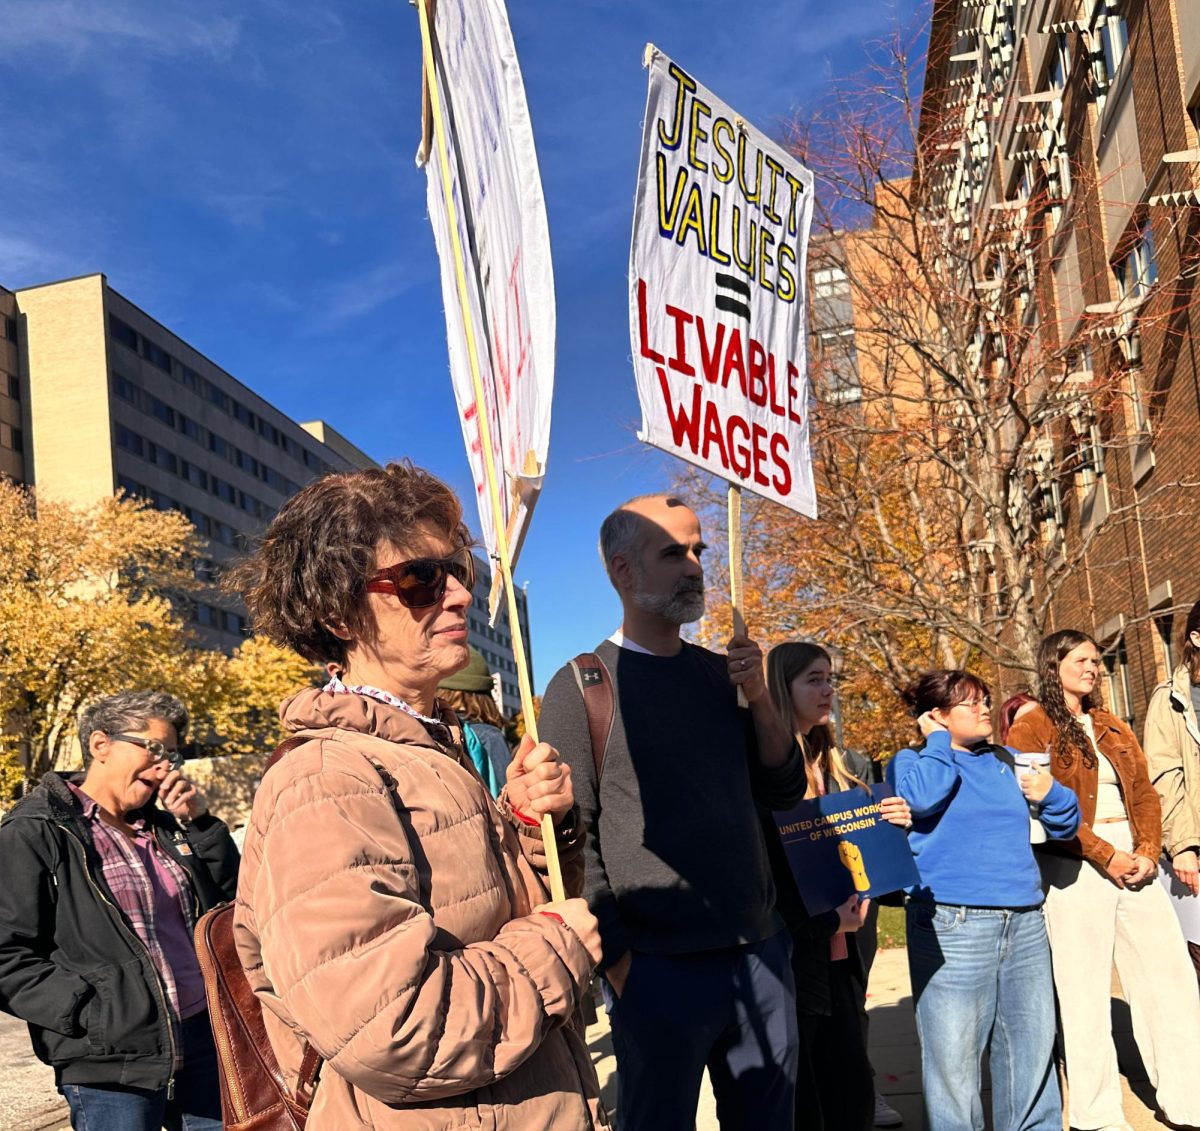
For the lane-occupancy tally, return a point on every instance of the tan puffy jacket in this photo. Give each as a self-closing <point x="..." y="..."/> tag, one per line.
<point x="390" y="925"/>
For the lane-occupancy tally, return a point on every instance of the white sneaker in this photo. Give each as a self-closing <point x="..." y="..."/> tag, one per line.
<point x="885" y="1114"/>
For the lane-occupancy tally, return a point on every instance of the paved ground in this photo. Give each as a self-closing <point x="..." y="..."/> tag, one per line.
<point x="28" y="1101"/>
<point x="896" y="1054"/>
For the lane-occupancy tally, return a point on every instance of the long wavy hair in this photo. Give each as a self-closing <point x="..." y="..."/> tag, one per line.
<point x="1070" y="739"/>
<point x="822" y="758"/>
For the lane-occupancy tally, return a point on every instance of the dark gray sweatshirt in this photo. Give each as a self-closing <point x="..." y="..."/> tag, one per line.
<point x="675" y="856"/>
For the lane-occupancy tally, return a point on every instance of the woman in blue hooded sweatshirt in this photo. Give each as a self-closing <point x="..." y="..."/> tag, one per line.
<point x="977" y="947"/>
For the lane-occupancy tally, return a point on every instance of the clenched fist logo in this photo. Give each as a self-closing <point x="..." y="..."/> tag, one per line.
<point x="852" y="860"/>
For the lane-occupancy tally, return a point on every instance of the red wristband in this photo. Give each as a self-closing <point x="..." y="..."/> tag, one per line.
<point x="555" y="916"/>
<point x="524" y="819"/>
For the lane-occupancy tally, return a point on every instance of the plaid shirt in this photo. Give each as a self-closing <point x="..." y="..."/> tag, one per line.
<point x="129" y="876"/>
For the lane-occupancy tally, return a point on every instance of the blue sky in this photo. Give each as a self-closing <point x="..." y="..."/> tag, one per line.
<point x="244" y="172"/>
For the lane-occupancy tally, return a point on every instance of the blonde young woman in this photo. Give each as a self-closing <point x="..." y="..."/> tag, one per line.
<point x="1103" y="904"/>
<point x="834" y="1086"/>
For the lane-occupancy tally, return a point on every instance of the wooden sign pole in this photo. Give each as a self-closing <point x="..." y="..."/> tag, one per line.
<point x="485" y="432"/>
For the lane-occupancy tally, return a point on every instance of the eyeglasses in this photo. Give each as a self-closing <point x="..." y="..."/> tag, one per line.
<point x="976" y="705"/>
<point x="157" y="751"/>
<point x="421" y="582"/>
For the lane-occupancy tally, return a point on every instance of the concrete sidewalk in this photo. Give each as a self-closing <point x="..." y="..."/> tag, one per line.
<point x="28" y="1101"/>
<point x="896" y="1053"/>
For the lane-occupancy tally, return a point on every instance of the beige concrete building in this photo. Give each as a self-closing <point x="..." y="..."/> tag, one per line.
<point x="113" y="400"/>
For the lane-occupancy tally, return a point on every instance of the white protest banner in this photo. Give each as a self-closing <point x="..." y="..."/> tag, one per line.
<point x="717" y="302"/>
<point x="489" y="224"/>
<point x="496" y="193"/>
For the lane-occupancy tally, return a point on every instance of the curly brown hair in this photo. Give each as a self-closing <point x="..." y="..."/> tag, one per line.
<point x="310" y="571"/>
<point x="1069" y="736"/>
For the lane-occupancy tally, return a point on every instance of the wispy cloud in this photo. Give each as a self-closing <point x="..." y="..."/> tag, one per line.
<point x="82" y="27"/>
<point x="27" y="259"/>
<point x="356" y="296"/>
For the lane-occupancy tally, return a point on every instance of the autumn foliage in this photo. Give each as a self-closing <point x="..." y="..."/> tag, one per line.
<point x="94" y="602"/>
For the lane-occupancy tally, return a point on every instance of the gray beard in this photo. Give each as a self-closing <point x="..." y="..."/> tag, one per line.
<point x="678" y="608"/>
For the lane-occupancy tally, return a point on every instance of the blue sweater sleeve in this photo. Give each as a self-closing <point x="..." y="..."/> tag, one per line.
<point x="1059" y="812"/>
<point x="925" y="778"/>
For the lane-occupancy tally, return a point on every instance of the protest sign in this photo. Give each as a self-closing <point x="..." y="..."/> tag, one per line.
<point x="507" y="320"/>
<point x="489" y="225"/>
<point x="718" y="295"/>
<point x="838" y="845"/>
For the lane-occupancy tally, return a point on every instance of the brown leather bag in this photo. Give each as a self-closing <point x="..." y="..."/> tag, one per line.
<point x="254" y="1094"/>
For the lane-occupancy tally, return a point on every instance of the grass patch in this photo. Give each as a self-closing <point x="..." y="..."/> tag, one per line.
<point x="891" y="927"/>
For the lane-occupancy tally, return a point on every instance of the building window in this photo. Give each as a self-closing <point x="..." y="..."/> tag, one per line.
<point x="1060" y="62"/>
<point x="1114" y="35"/>
<point x="1089" y="453"/>
<point x="14" y="387"/>
<point x="1137" y="272"/>
<point x="130" y="441"/>
<point x="125" y="389"/>
<point x="840" y="353"/>
<point x="156" y="355"/>
<point x="160" y="410"/>
<point x="1118" y="691"/>
<point x="122" y="332"/>
<point x="10" y="329"/>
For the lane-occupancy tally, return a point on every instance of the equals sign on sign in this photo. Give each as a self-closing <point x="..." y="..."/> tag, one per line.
<point x="733" y="296"/>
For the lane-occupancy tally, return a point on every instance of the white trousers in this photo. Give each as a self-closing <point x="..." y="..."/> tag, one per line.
<point x="1092" y="924"/>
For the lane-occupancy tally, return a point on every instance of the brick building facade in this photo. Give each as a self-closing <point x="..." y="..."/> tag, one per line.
<point x="1081" y="118"/>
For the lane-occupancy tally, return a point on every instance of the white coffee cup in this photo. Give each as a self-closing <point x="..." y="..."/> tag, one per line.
<point x="1027" y="762"/>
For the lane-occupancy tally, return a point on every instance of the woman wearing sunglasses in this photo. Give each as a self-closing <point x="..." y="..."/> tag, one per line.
<point x="102" y="890"/>
<point x="389" y="912"/>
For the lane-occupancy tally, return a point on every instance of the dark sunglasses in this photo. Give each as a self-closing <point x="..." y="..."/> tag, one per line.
<point x="421" y="582"/>
<point x="157" y="751"/>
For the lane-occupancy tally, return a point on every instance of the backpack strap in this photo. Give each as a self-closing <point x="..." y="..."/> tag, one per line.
<point x="595" y="685"/>
<point x="283" y="748"/>
<point x="1003" y="754"/>
<point x="310" y="1069"/>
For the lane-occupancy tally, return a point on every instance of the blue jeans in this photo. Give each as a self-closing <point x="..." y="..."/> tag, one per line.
<point x="981" y="976"/>
<point x="195" y="1104"/>
<point x="732" y="1010"/>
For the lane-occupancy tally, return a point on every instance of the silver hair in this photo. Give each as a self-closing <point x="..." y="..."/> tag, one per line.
<point x="623" y="531"/>
<point x="129" y="711"/>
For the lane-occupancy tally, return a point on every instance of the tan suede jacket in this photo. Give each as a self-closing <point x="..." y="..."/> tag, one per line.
<point x="1171" y="739"/>
<point x="384" y="915"/>
<point x="1033" y="731"/>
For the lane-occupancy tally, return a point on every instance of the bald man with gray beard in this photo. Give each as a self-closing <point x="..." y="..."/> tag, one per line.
<point x="696" y="960"/>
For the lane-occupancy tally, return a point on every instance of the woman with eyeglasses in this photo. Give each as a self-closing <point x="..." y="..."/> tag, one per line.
<point x="1103" y="904"/>
<point x="390" y="913"/>
<point x="106" y="873"/>
<point x="977" y="948"/>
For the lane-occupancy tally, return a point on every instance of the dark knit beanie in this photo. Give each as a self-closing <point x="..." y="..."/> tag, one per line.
<point x="474" y="677"/>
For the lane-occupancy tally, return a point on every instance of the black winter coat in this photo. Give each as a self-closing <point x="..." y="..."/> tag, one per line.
<point x="71" y="965"/>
